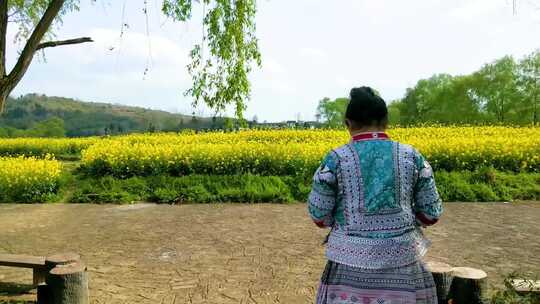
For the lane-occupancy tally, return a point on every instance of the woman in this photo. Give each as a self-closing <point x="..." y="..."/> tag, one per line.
<point x="374" y="194"/>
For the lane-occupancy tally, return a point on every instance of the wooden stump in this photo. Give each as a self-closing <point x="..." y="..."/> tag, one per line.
<point x="68" y="284"/>
<point x="469" y="286"/>
<point x="442" y="275"/>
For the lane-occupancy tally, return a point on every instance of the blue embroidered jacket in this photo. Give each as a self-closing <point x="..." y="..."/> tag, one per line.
<point x="374" y="194"/>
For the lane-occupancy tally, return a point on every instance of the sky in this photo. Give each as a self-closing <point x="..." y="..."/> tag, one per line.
<point x="310" y="49"/>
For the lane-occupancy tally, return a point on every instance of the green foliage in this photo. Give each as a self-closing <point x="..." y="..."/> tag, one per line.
<point x="394" y="112"/>
<point x="503" y="92"/>
<point x="221" y="63"/>
<point x="332" y="112"/>
<point x="529" y="81"/>
<point x="487" y="185"/>
<point x="497" y="87"/>
<point x="454" y="186"/>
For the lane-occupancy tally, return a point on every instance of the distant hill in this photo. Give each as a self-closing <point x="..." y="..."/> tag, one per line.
<point x="79" y="118"/>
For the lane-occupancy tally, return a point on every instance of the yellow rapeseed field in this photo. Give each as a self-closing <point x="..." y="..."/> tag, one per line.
<point x="28" y="179"/>
<point x="44" y="146"/>
<point x="291" y="152"/>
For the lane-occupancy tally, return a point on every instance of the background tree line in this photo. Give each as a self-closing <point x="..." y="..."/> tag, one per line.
<point x="505" y="91"/>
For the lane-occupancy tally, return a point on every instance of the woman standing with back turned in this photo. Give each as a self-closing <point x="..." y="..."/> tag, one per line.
<point x="375" y="194"/>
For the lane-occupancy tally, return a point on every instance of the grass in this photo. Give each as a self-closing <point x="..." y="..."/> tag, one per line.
<point x="485" y="185"/>
<point x="193" y="189"/>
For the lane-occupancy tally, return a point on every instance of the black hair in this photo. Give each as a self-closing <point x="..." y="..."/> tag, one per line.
<point x="366" y="108"/>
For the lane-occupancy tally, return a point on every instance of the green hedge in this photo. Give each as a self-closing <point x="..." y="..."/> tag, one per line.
<point x="484" y="185"/>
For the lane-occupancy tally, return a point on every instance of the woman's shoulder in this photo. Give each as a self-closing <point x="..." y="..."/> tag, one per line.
<point x="407" y="148"/>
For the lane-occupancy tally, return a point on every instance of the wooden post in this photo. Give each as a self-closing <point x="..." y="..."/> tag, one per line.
<point x="469" y="286"/>
<point x="69" y="284"/>
<point x="442" y="275"/>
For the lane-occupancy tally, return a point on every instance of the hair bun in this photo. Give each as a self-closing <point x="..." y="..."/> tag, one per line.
<point x="366" y="107"/>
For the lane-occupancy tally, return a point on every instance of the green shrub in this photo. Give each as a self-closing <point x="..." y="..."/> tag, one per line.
<point x="165" y="195"/>
<point x="104" y="190"/>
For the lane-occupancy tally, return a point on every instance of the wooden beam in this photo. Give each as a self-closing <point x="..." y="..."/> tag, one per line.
<point x="63" y="42"/>
<point x="24" y="261"/>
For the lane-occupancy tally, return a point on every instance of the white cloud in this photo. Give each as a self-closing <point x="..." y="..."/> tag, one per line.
<point x="313" y="54"/>
<point x="272" y="66"/>
<point x="472" y="9"/>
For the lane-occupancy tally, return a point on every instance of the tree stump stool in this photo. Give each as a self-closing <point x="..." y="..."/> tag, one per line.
<point x="69" y="284"/>
<point x="469" y="286"/>
<point x="66" y="280"/>
<point x="442" y="275"/>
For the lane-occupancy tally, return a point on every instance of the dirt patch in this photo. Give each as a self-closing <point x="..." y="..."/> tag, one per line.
<point x="237" y="253"/>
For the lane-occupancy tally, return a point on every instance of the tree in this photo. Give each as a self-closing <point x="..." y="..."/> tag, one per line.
<point x="151" y="128"/>
<point x="219" y="74"/>
<point x="332" y="112"/>
<point x="394" y="112"/>
<point x="53" y="127"/>
<point x="529" y="82"/>
<point x="441" y="98"/>
<point x="228" y="124"/>
<point x="498" y="87"/>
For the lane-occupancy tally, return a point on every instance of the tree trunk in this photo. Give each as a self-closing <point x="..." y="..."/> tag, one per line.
<point x="442" y="275"/>
<point x="69" y="284"/>
<point x="3" y="33"/>
<point x="4" y="93"/>
<point x="535" y="107"/>
<point x="469" y="286"/>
